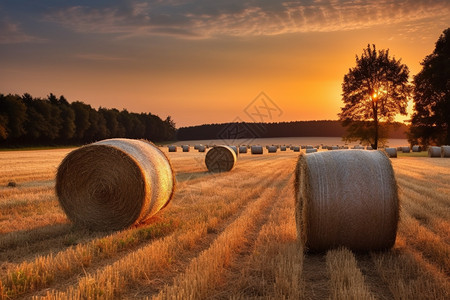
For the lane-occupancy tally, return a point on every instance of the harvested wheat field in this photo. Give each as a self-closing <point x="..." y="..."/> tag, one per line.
<point x="228" y="235"/>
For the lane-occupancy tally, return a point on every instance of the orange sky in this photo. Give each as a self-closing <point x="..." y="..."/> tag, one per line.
<point x="203" y="63"/>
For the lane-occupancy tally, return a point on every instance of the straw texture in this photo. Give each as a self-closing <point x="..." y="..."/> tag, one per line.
<point x="220" y="159"/>
<point x="434" y="151"/>
<point x="346" y="198"/>
<point x="445" y="151"/>
<point x="115" y="183"/>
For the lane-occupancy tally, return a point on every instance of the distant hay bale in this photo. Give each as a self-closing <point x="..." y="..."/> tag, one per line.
<point x="115" y="183"/>
<point x="445" y="151"/>
<point x="406" y="149"/>
<point x="243" y="149"/>
<point x="296" y="148"/>
<point x="358" y="147"/>
<point x="311" y="150"/>
<point x="172" y="148"/>
<point x="399" y="148"/>
<point x="391" y="152"/>
<point x="272" y="149"/>
<point x="11" y="184"/>
<point x="256" y="149"/>
<point x="434" y="151"/>
<point x="309" y="147"/>
<point x="283" y="148"/>
<point x="334" y="148"/>
<point x="220" y="159"/>
<point x="416" y="148"/>
<point x="201" y="148"/>
<point x="369" y="148"/>
<point x="186" y="148"/>
<point x="346" y="198"/>
<point x="303" y="147"/>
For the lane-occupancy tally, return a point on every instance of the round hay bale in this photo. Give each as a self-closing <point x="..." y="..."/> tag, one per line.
<point x="115" y="183"/>
<point x="272" y="149"/>
<point x="334" y="148"/>
<point x="201" y="148"/>
<point x="369" y="148"/>
<point x="220" y="159"/>
<point x="296" y="148"/>
<point x="283" y="148"/>
<point x="196" y="146"/>
<point x="11" y="184"/>
<point x="399" y="148"/>
<point x="346" y="198"/>
<point x="391" y="152"/>
<point x="242" y="149"/>
<point x="406" y="149"/>
<point x="172" y="148"/>
<point x="416" y="148"/>
<point x="309" y="147"/>
<point x="186" y="148"/>
<point x="235" y="149"/>
<point x="256" y="149"/>
<point x="445" y="151"/>
<point x="434" y="151"/>
<point x="311" y="150"/>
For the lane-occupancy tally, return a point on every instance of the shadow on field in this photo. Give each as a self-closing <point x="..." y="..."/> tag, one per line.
<point x="57" y="235"/>
<point x="181" y="177"/>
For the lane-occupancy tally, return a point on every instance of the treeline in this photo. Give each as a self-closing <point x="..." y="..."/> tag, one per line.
<point x="281" y="129"/>
<point x="25" y="120"/>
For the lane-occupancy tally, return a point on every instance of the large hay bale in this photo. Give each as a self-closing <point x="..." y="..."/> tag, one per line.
<point x="220" y="159"/>
<point x="242" y="149"/>
<point x="391" y="152"/>
<point x="445" y="151"/>
<point x="272" y="149"/>
<point x="434" y="151"/>
<point x="115" y="183"/>
<point x="172" y="148"/>
<point x="186" y="148"/>
<point x="416" y="148"/>
<point x="406" y="149"/>
<point x="346" y="198"/>
<point x="256" y="149"/>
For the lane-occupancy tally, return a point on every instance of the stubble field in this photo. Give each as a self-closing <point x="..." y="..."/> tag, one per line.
<point x="224" y="236"/>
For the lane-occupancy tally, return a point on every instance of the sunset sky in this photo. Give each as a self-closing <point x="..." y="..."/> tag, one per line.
<point x="206" y="61"/>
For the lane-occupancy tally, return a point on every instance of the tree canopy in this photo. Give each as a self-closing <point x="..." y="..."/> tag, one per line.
<point x="374" y="92"/>
<point x="430" y="123"/>
<point x="25" y="120"/>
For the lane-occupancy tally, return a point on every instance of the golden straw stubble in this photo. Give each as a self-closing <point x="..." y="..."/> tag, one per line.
<point x="346" y="198"/>
<point x="115" y="183"/>
<point x="220" y="159"/>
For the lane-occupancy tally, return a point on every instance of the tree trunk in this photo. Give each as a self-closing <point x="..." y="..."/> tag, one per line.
<point x="375" y="123"/>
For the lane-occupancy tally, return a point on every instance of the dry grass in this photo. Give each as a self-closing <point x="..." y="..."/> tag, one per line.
<point x="238" y="241"/>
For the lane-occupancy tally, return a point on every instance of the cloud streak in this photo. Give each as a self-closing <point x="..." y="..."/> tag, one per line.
<point x="11" y="33"/>
<point x="204" y="19"/>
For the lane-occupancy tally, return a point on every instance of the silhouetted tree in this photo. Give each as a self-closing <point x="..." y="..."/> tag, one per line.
<point x="82" y="123"/>
<point x="14" y="114"/>
<point x="430" y="123"/>
<point x="375" y="90"/>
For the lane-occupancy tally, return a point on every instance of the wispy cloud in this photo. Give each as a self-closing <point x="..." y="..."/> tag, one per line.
<point x="100" y="57"/>
<point x="205" y="18"/>
<point x="11" y="33"/>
